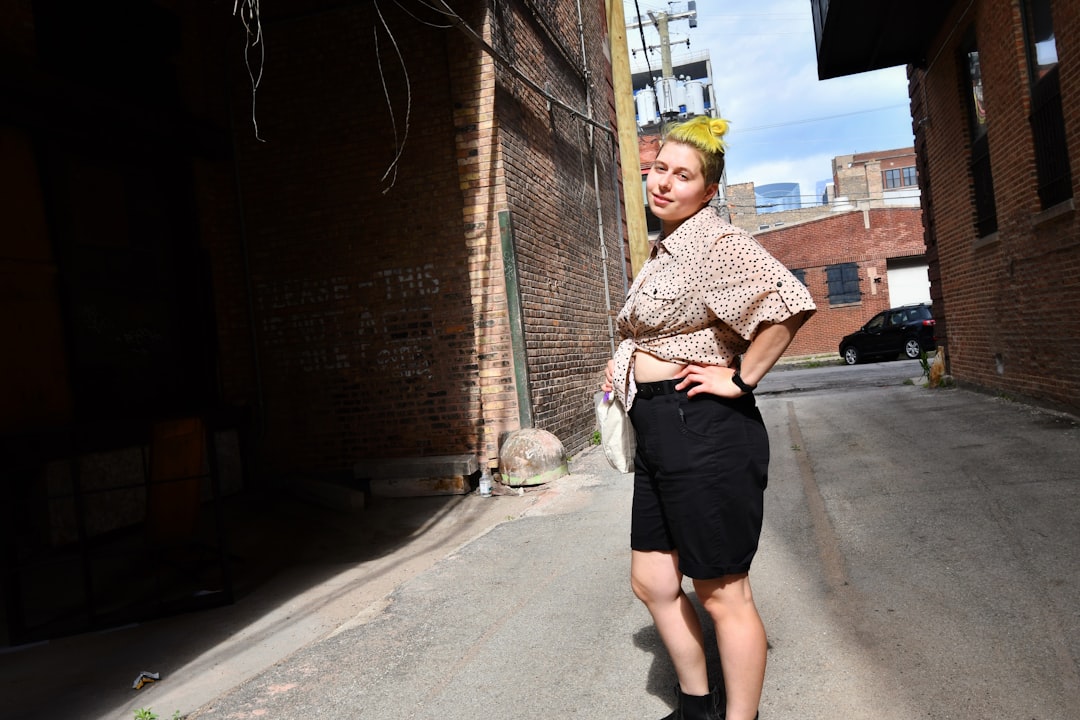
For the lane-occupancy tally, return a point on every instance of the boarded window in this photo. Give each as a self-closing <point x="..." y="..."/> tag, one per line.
<point x="843" y="283"/>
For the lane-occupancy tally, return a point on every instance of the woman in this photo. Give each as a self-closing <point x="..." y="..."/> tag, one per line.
<point x="706" y="318"/>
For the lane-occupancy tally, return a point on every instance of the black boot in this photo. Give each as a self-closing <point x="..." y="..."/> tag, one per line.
<point x="695" y="707"/>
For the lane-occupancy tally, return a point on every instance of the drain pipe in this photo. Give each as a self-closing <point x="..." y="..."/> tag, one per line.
<point x="596" y="178"/>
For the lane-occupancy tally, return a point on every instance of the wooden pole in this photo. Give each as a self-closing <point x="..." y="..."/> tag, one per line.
<point x="625" y="112"/>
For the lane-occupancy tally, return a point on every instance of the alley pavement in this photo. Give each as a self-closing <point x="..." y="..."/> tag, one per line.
<point x="919" y="560"/>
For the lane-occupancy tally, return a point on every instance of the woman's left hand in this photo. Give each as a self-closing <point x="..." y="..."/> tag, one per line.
<point x="711" y="379"/>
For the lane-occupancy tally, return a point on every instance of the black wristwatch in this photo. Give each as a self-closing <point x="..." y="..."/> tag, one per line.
<point x="742" y="384"/>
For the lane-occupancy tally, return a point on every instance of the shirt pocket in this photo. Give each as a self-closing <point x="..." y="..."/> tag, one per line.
<point x="669" y="307"/>
<point x="661" y="302"/>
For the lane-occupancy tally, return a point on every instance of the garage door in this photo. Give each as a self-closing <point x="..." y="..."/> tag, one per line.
<point x="909" y="281"/>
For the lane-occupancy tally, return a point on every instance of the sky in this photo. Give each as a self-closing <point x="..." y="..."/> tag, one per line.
<point x="786" y="125"/>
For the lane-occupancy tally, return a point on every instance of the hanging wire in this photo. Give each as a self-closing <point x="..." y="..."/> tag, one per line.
<point x="252" y="21"/>
<point x="645" y="52"/>
<point x="509" y="66"/>
<point x="400" y="145"/>
<point x="420" y="20"/>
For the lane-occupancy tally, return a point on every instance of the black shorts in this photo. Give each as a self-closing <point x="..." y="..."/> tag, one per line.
<point x="699" y="480"/>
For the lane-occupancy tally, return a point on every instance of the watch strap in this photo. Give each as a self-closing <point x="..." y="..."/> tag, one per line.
<point x="742" y="384"/>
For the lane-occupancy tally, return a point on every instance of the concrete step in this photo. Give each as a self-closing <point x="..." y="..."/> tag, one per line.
<point x="418" y="476"/>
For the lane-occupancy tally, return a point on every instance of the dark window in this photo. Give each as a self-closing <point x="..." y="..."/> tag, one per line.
<point x="843" y="283"/>
<point x="900" y="177"/>
<point x="800" y="273"/>
<point x="652" y="223"/>
<point x="981" y="177"/>
<point x="1047" y="120"/>
<point x="919" y="312"/>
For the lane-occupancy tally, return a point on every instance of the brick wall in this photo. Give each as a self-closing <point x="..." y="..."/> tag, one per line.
<point x="369" y="320"/>
<point x="380" y="304"/>
<point x="1010" y="300"/>
<point x="551" y="172"/>
<point x="868" y="238"/>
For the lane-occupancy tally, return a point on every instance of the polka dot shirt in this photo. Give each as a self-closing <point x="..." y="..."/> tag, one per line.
<point x="701" y="297"/>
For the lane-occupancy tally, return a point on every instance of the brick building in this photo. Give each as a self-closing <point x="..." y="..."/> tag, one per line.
<point x="853" y="263"/>
<point x="995" y="95"/>
<point x="881" y="178"/>
<point x="404" y="245"/>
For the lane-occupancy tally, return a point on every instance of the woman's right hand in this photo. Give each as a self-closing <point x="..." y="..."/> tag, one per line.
<point x="609" y="376"/>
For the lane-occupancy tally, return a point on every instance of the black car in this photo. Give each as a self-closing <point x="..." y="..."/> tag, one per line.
<point x="908" y="329"/>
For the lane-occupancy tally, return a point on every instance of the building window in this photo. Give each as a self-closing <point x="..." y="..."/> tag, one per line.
<point x="843" y="281"/>
<point x="800" y="273"/>
<point x="1047" y="120"/>
<point x="981" y="176"/>
<point x="900" y="177"/>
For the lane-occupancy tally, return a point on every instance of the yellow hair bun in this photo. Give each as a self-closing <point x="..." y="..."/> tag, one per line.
<point x="719" y="128"/>
<point x="706" y="134"/>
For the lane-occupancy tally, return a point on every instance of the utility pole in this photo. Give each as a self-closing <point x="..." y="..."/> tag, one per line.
<point x="637" y="230"/>
<point x="668" y="106"/>
<point x="660" y="20"/>
<point x="665" y="90"/>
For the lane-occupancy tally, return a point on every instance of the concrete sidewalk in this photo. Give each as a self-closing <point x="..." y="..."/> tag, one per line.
<point x="313" y="571"/>
<point x="919" y="559"/>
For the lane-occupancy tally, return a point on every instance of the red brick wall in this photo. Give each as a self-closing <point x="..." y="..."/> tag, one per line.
<point x="549" y="166"/>
<point x="1009" y="301"/>
<point x="362" y="285"/>
<point x="844" y="238"/>
<point x="380" y="305"/>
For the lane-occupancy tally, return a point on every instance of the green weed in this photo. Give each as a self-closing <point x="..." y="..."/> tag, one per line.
<point x="148" y="714"/>
<point x="924" y="363"/>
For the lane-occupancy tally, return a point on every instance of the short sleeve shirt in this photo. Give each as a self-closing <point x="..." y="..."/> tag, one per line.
<point x="701" y="297"/>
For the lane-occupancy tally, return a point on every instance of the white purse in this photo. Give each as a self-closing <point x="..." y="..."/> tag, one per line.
<point x="616" y="432"/>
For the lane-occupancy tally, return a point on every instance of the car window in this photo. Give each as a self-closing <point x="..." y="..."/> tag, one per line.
<point x="920" y="313"/>
<point x="876" y="322"/>
<point x="899" y="317"/>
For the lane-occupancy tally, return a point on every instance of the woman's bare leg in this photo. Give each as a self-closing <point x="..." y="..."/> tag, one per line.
<point x="740" y="637"/>
<point x="657" y="582"/>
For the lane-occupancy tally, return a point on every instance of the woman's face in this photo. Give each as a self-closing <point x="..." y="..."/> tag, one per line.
<point x="675" y="186"/>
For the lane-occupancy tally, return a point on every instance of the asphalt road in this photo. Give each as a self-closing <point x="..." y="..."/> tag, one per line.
<point x="920" y="559"/>
<point x="785" y="379"/>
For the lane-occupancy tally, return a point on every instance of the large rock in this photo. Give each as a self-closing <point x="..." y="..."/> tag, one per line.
<point x="531" y="457"/>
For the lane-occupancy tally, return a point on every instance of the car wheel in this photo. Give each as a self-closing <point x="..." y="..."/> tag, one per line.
<point x="851" y="355"/>
<point x="912" y="348"/>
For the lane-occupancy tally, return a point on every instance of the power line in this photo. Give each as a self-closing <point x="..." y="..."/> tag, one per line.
<point x="817" y="119"/>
